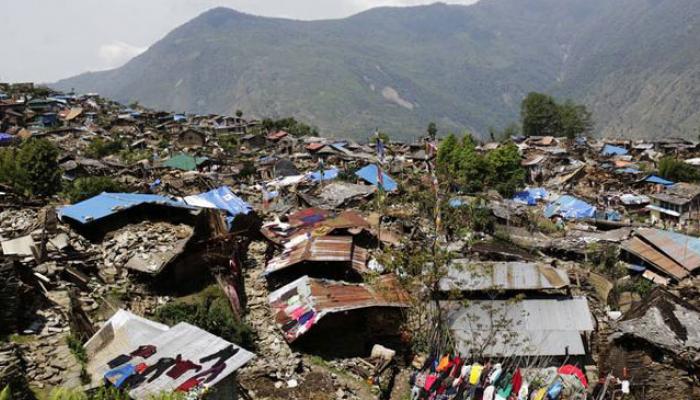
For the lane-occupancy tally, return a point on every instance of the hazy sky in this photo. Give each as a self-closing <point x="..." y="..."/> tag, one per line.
<point x="46" y="40"/>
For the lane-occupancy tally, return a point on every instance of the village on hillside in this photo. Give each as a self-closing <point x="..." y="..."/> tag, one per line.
<point x="149" y="254"/>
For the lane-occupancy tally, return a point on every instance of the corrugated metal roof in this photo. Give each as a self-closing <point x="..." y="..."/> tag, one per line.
<point x="545" y="327"/>
<point x="464" y="276"/>
<point x="652" y="256"/>
<point x="125" y="332"/>
<point x="106" y="204"/>
<point x="323" y="249"/>
<point x="683" y="249"/>
<point x="301" y="304"/>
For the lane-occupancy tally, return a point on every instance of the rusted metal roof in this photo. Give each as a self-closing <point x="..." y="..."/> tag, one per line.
<point x="324" y="249"/>
<point x="299" y="305"/>
<point x="682" y="249"/>
<point x="277" y="135"/>
<point x="649" y="254"/>
<point x="465" y="276"/>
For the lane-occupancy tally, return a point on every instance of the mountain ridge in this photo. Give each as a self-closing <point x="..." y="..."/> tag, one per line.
<point x="398" y="68"/>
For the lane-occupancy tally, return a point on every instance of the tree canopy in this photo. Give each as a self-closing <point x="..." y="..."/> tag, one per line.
<point x="541" y="115"/>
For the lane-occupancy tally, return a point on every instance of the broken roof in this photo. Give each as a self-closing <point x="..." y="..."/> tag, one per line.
<point x="534" y="327"/>
<point x="338" y="193"/>
<point x="320" y="249"/>
<point x="106" y="204"/>
<point x="663" y="320"/>
<point x="680" y="193"/>
<point x="673" y="253"/>
<point x="301" y="304"/>
<point x="124" y="332"/>
<point x="465" y="276"/>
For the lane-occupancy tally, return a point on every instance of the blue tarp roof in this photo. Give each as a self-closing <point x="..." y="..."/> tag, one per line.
<point x="6" y="137"/>
<point x="570" y="207"/>
<point x="106" y="204"/>
<point x="222" y="199"/>
<point x="369" y="174"/>
<point x="530" y="196"/>
<point x="610" y="150"/>
<point x="658" y="180"/>
<point x="328" y="175"/>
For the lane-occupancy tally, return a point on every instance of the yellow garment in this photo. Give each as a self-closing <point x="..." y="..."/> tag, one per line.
<point x="540" y="394"/>
<point x="475" y="374"/>
<point x="442" y="365"/>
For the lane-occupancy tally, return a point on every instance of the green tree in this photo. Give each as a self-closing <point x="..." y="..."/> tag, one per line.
<point x="575" y="119"/>
<point x="447" y="154"/>
<point x="100" y="148"/>
<point x="239" y="113"/>
<point x="507" y="175"/>
<point x="86" y="187"/>
<point x="432" y="130"/>
<point x="678" y="171"/>
<point x="37" y="170"/>
<point x="540" y="115"/>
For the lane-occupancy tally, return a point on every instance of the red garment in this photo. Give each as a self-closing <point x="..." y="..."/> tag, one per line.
<point x="517" y="381"/>
<point x="181" y="366"/>
<point x="189" y="384"/>
<point x="140" y="368"/>
<point x="569" y="369"/>
<point x="429" y="381"/>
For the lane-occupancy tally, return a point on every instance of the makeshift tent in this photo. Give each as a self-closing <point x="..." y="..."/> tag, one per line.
<point x="326" y="175"/>
<point x="370" y="174"/>
<point x="570" y="207"/>
<point x="610" y="150"/>
<point x="221" y="198"/>
<point x="185" y="162"/>
<point x="530" y="196"/>
<point x="6" y="138"/>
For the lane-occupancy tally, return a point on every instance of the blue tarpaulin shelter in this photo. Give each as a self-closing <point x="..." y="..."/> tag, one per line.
<point x="222" y="199"/>
<point x="610" y="150"/>
<point x="658" y="180"/>
<point x="106" y="204"/>
<point x="530" y="196"/>
<point x="328" y="175"/>
<point x="570" y="207"/>
<point x="370" y="175"/>
<point x="6" y="138"/>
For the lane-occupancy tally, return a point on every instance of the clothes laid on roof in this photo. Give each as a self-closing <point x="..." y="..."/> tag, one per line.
<point x="370" y="174"/>
<point x="570" y="207"/>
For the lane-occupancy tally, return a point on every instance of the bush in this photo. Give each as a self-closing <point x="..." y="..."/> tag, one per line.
<point x="84" y="188"/>
<point x="100" y="148"/>
<point x="32" y="169"/>
<point x="677" y="170"/>
<point x="211" y="311"/>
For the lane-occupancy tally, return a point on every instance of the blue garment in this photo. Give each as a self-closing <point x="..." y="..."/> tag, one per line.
<point x="554" y="391"/>
<point x="118" y="375"/>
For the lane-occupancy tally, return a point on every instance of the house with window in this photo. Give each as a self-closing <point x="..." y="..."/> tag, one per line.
<point x="679" y="203"/>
